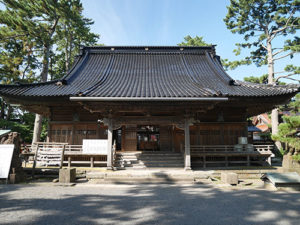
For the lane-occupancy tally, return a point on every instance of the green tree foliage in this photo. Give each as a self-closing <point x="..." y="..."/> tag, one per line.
<point x="260" y="80"/>
<point x="40" y="37"/>
<point x="72" y="33"/>
<point x="17" y="62"/>
<point x="295" y="104"/>
<point x="261" y="23"/>
<point x="196" y="41"/>
<point x="23" y="124"/>
<point x="290" y="129"/>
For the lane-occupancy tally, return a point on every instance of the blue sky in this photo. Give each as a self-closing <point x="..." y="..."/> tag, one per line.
<point x="166" y="22"/>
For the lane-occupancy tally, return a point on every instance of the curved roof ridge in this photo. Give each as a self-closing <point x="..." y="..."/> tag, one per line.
<point x="102" y="78"/>
<point x="78" y="59"/>
<point x="226" y="79"/>
<point x="191" y="77"/>
<point x="150" y="46"/>
<point x="221" y="68"/>
<point x="74" y="73"/>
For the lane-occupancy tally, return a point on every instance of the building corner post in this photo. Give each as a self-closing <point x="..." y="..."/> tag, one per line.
<point x="187" y="149"/>
<point x="109" y="144"/>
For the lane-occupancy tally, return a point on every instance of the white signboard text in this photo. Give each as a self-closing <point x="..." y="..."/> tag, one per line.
<point x="6" y="152"/>
<point x="94" y="146"/>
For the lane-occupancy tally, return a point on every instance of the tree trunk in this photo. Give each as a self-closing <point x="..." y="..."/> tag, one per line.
<point x="37" y="128"/>
<point x="2" y="113"/>
<point x="70" y="51"/>
<point x="9" y="112"/>
<point x="44" y="76"/>
<point x="275" y="122"/>
<point x="67" y="48"/>
<point x="274" y="114"/>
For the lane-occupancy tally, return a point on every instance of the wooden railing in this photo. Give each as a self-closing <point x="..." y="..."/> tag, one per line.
<point x="212" y="148"/>
<point x="263" y="148"/>
<point x="231" y="148"/>
<point x="230" y="155"/>
<point x="72" y="154"/>
<point x="68" y="148"/>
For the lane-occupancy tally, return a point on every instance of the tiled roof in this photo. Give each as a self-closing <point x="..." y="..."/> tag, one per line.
<point x="154" y="72"/>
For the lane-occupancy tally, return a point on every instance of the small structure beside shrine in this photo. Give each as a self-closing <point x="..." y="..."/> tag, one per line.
<point x="158" y="106"/>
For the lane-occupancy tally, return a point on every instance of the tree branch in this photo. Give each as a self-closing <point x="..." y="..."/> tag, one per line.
<point x="262" y="45"/>
<point x="291" y="53"/>
<point x="278" y="52"/>
<point x="274" y="32"/>
<point x="280" y="72"/>
<point x="15" y="36"/>
<point x="288" y="76"/>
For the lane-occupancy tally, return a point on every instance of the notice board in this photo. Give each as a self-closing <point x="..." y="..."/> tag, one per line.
<point x="6" y="153"/>
<point x="94" y="146"/>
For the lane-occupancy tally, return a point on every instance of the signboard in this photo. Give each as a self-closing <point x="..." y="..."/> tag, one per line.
<point x="6" y="153"/>
<point x="94" y="146"/>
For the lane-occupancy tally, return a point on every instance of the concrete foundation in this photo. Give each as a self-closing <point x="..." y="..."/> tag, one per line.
<point x="67" y="175"/>
<point x="229" y="178"/>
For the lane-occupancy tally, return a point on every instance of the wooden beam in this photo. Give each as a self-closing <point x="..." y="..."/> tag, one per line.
<point x="187" y="147"/>
<point x="109" y="144"/>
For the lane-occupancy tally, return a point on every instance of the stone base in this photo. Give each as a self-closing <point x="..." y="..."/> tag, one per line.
<point x="290" y="165"/>
<point x="15" y="178"/>
<point x="229" y="178"/>
<point x="67" y="175"/>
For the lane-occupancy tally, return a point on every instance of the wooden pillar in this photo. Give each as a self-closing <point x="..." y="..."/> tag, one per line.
<point x="92" y="161"/>
<point x="248" y="160"/>
<point x="73" y="134"/>
<point x="187" y="149"/>
<point x="109" y="144"/>
<point x="172" y="138"/>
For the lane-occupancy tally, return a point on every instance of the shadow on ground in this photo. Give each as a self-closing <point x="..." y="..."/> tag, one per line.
<point x="167" y="204"/>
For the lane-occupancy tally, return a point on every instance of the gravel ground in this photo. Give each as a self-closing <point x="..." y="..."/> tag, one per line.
<point x="167" y="204"/>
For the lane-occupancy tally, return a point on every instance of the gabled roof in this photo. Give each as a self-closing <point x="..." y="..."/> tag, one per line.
<point x="147" y="72"/>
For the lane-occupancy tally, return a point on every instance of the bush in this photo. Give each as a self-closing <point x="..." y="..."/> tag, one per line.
<point x="296" y="157"/>
<point x="24" y="130"/>
<point x="24" y="127"/>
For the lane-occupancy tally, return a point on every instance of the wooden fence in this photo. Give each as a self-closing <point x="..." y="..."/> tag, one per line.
<point x="230" y="155"/>
<point x="47" y="154"/>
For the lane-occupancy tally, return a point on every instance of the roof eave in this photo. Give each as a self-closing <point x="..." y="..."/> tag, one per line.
<point x="96" y="99"/>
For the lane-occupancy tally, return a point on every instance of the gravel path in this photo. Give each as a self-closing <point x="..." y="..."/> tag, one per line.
<point x="145" y="204"/>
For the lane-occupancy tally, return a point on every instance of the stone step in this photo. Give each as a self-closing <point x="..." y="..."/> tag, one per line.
<point x="142" y="160"/>
<point x="129" y="175"/>
<point x="153" y="165"/>
<point x="148" y="162"/>
<point x="148" y="153"/>
<point x="150" y="157"/>
<point x="159" y="155"/>
<point x="151" y="161"/>
<point x="147" y="180"/>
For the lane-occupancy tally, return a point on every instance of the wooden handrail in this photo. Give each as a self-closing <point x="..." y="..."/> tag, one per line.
<point x="228" y="148"/>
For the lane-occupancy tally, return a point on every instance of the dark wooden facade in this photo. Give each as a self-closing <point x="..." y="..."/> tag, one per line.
<point x="72" y="125"/>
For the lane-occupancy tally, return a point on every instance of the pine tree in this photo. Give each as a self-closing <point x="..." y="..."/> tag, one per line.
<point x="261" y="23"/>
<point x="290" y="129"/>
<point x="190" y="41"/>
<point x="38" y="22"/>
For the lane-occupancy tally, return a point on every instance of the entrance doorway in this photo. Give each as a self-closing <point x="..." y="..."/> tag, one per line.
<point x="145" y="138"/>
<point x="148" y="138"/>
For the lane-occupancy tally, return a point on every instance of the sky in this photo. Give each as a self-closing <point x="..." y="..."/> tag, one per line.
<point x="167" y="22"/>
